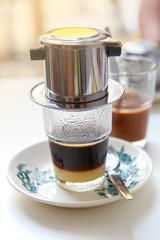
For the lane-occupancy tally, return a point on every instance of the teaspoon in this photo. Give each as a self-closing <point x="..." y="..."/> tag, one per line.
<point x="113" y="162"/>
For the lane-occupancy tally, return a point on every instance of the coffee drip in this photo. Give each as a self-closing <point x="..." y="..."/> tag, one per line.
<point x="77" y="98"/>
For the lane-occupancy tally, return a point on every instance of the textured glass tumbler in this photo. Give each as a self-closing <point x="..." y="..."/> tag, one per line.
<point x="131" y="113"/>
<point x="78" y="141"/>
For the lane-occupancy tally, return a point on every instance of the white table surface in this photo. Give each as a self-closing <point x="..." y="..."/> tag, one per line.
<point x="21" y="125"/>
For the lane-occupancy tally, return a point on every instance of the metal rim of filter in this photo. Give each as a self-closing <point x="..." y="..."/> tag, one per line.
<point x="114" y="93"/>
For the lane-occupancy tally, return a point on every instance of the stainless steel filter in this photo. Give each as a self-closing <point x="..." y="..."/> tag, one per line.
<point x="76" y="64"/>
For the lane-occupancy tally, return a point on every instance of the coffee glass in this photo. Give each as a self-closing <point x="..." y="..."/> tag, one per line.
<point x="130" y="117"/>
<point x="78" y="143"/>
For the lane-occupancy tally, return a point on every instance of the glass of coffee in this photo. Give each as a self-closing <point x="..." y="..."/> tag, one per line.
<point x="130" y="117"/>
<point x="78" y="143"/>
<point x="77" y="99"/>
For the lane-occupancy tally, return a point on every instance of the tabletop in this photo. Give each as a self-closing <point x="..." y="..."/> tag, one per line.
<point x="21" y="125"/>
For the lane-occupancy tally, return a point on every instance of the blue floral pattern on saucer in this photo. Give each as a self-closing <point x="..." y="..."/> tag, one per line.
<point x="31" y="180"/>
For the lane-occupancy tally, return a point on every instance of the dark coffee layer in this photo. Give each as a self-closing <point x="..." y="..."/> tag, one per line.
<point x="79" y="157"/>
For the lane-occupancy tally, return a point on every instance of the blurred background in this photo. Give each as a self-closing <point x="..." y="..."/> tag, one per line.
<point x="22" y="21"/>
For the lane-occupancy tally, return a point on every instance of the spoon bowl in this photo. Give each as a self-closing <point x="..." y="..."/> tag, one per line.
<point x="113" y="160"/>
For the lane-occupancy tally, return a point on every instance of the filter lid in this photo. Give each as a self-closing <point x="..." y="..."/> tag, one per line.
<point x="73" y="36"/>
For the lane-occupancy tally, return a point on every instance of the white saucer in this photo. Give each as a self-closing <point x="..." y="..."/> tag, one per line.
<point x="31" y="173"/>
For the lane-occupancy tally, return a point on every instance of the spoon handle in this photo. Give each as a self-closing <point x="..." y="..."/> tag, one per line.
<point x="117" y="181"/>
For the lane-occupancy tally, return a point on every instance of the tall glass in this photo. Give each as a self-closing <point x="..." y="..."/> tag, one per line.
<point x="130" y="114"/>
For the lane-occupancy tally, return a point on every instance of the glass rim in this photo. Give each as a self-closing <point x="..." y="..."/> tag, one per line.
<point x="134" y="58"/>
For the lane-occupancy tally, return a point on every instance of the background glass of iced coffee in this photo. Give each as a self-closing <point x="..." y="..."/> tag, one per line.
<point x="130" y="114"/>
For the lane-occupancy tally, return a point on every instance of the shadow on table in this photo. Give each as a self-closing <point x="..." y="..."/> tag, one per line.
<point x="113" y="221"/>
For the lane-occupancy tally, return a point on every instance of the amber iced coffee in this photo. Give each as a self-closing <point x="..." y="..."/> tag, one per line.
<point x="131" y="113"/>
